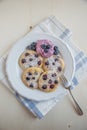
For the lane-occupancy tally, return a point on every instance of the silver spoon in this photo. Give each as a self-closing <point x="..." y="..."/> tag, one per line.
<point x="77" y="107"/>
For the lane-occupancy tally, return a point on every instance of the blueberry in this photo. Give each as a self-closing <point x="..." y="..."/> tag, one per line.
<point x="50" y="81"/>
<point x="36" y="55"/>
<point x="26" y="54"/>
<point x="32" y="46"/>
<point x="56" y="59"/>
<point x="33" y="77"/>
<point x="53" y="63"/>
<point x="29" y="73"/>
<point x="55" y="48"/>
<point x="43" y="46"/>
<point x="23" y="60"/>
<point x="28" y="47"/>
<point x="39" y="62"/>
<point x="33" y="43"/>
<point x="31" y="85"/>
<point x="59" y="69"/>
<point x="27" y="78"/>
<point x="47" y="63"/>
<point x="47" y="46"/>
<point x="56" y="81"/>
<point x="56" y="52"/>
<point x="51" y="86"/>
<point x="44" y="86"/>
<point x="46" y="50"/>
<point x="53" y="75"/>
<point x="30" y="59"/>
<point x="44" y="77"/>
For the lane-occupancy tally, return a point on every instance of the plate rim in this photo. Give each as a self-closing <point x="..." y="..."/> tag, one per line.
<point x="47" y="34"/>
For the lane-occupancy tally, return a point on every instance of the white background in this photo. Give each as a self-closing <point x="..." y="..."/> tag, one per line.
<point x="16" y="17"/>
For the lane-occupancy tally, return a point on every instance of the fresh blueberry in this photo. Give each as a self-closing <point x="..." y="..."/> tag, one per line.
<point x="32" y="46"/>
<point x="43" y="46"/>
<point x="59" y="69"/>
<point x="51" y="86"/>
<point x="27" y="78"/>
<point x="28" y="47"/>
<point x="30" y="59"/>
<point x="53" y="63"/>
<point x="50" y="81"/>
<point x="44" y="77"/>
<point x="46" y="50"/>
<point x="56" y="59"/>
<point x="44" y="86"/>
<point x="29" y="73"/>
<point x="56" y="81"/>
<point x="47" y="46"/>
<point x="33" y="77"/>
<point x="26" y="54"/>
<point x="56" y="52"/>
<point x="31" y="85"/>
<point x="53" y="75"/>
<point x="33" y="43"/>
<point x="47" y="63"/>
<point x="55" y="48"/>
<point x="36" y="55"/>
<point x="23" y="60"/>
<point x="39" y="62"/>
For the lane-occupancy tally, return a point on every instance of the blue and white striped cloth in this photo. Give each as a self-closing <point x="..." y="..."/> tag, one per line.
<point x="52" y="26"/>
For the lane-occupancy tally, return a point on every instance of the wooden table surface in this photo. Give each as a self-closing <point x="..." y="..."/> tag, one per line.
<point x="16" y="16"/>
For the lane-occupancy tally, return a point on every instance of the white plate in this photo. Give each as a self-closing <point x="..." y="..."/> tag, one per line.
<point x="14" y="71"/>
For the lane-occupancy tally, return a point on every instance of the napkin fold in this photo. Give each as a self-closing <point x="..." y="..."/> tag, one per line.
<point x="52" y="26"/>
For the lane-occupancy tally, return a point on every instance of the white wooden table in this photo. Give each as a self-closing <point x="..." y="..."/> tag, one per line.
<point x="16" y="16"/>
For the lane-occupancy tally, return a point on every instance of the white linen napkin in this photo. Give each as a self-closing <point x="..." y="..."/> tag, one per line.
<point x="52" y="26"/>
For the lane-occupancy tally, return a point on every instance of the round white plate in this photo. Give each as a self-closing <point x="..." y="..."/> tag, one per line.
<point x="14" y="71"/>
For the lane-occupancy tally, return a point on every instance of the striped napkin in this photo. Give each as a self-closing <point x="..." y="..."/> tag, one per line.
<point x="52" y="26"/>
